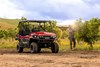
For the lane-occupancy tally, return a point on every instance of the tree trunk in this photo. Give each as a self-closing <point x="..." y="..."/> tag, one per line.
<point x="91" y="45"/>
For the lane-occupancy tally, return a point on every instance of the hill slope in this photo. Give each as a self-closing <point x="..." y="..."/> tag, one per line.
<point x="8" y="23"/>
<point x="4" y="26"/>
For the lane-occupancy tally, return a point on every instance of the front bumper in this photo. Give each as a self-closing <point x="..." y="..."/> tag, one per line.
<point x="46" y="40"/>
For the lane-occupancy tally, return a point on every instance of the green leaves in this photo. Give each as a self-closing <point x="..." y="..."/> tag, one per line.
<point x="8" y="33"/>
<point x="88" y="31"/>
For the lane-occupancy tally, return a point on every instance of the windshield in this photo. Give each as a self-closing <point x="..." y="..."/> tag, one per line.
<point x="26" y="27"/>
<point x="36" y="26"/>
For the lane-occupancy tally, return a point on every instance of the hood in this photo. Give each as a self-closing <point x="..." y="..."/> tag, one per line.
<point x="43" y="33"/>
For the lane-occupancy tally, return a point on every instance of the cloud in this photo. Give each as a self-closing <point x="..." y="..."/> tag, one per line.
<point x="9" y="10"/>
<point x="50" y="9"/>
<point x="66" y="22"/>
<point x="59" y="9"/>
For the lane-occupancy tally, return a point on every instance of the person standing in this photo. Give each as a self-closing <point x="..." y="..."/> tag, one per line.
<point x="71" y="37"/>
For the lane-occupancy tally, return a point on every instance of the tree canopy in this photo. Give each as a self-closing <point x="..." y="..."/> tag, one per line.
<point x="88" y="31"/>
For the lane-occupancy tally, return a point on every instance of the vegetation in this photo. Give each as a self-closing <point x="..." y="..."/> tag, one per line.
<point x="8" y="30"/>
<point x="87" y="32"/>
<point x="9" y="21"/>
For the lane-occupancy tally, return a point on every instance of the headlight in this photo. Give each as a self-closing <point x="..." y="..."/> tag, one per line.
<point x="34" y="36"/>
<point x="53" y="36"/>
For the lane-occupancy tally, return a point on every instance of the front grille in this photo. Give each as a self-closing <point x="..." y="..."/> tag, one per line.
<point x="45" y="41"/>
<point x="45" y="37"/>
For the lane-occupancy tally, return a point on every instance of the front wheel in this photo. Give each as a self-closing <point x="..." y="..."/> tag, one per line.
<point x="19" y="49"/>
<point x="54" y="48"/>
<point x="33" y="47"/>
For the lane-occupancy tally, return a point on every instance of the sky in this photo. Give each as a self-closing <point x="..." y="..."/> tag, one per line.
<point x="64" y="11"/>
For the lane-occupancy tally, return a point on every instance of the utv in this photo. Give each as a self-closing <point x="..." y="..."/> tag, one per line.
<point x="33" y="34"/>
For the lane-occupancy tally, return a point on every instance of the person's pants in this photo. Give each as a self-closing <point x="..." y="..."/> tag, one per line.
<point x="72" y="43"/>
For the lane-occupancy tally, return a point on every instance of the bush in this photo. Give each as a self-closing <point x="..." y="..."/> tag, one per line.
<point x="10" y="33"/>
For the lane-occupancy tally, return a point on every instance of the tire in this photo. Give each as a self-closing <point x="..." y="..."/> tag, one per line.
<point x="54" y="48"/>
<point x="19" y="49"/>
<point x="33" y="47"/>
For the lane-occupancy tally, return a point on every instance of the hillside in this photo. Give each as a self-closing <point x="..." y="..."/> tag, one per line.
<point x="4" y="26"/>
<point x="8" y="23"/>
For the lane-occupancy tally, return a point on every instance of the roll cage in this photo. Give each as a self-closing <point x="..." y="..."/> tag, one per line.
<point x="25" y="26"/>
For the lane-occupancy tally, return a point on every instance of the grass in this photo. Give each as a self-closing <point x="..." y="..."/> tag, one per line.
<point x="63" y="46"/>
<point x="8" y="43"/>
<point x="5" y="26"/>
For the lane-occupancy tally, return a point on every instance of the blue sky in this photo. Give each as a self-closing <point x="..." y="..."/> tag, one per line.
<point x="61" y="10"/>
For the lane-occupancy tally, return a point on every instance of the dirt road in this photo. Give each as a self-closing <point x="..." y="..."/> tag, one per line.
<point x="10" y="58"/>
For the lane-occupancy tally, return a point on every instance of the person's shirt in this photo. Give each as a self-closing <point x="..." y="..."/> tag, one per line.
<point x="70" y="33"/>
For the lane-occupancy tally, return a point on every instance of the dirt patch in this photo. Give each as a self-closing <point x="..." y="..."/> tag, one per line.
<point x="10" y="58"/>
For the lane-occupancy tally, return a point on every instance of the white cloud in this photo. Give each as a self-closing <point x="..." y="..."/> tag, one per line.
<point x="63" y="9"/>
<point x="50" y="9"/>
<point x="66" y="22"/>
<point x="9" y="10"/>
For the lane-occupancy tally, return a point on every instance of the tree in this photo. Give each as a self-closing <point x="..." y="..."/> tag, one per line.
<point x="23" y="18"/>
<point x="56" y="30"/>
<point x="89" y="31"/>
<point x="78" y="29"/>
<point x="64" y="34"/>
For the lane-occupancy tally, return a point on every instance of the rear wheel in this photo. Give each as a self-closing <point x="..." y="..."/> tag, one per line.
<point x="54" y="48"/>
<point x="19" y="49"/>
<point x="33" y="47"/>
